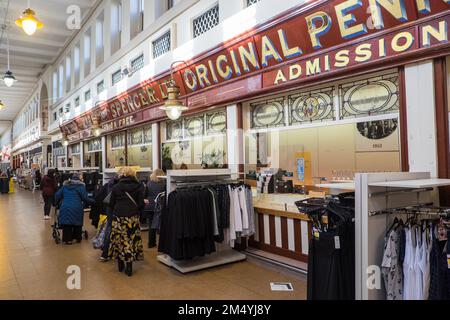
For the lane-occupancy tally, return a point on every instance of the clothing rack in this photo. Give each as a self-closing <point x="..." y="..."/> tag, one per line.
<point x="379" y="198"/>
<point x="224" y="254"/>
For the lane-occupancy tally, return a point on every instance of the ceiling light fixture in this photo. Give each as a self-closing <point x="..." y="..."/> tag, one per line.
<point x="65" y="140"/>
<point x="173" y="106"/>
<point x="28" y="22"/>
<point x="96" y="127"/>
<point x="8" y="78"/>
<point x="2" y="105"/>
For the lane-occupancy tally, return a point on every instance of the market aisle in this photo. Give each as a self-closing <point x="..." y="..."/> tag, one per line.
<point x="32" y="266"/>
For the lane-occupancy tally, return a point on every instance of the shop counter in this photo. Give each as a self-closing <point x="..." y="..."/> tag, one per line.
<point x="280" y="228"/>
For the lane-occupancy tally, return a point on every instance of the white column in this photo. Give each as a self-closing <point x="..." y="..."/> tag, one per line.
<point x="156" y="147"/>
<point x="107" y="30"/>
<point x="72" y="68"/>
<point x="82" y="57"/>
<point x="126" y="10"/>
<point x="149" y="13"/>
<point x="103" y="153"/>
<point x="82" y="154"/>
<point x="235" y="139"/>
<point x="93" y="47"/>
<point x="421" y="117"/>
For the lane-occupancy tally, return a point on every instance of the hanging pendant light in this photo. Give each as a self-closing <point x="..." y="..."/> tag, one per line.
<point x="96" y="127"/>
<point x="8" y="78"/>
<point x="28" y="22"/>
<point x="173" y="106"/>
<point x="65" y="140"/>
<point x="2" y="105"/>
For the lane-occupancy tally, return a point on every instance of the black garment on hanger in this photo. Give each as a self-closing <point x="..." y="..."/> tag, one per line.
<point x="331" y="256"/>
<point x="439" y="271"/>
<point x="187" y="224"/>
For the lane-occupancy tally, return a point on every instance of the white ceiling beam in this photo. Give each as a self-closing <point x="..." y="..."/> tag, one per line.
<point x="13" y="48"/>
<point x="19" y="35"/>
<point x="29" y="58"/>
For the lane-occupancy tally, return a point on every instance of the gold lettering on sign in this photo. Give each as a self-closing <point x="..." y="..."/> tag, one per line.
<point x="280" y="77"/>
<point x="213" y="72"/>
<point x="144" y="101"/>
<point x="152" y="95"/>
<point x="227" y="73"/>
<point x="342" y="59"/>
<point x="409" y="41"/>
<point x="315" y="31"/>
<point x="382" y="48"/>
<point x="248" y="56"/>
<point x="295" y="71"/>
<point x="345" y="19"/>
<point x="327" y="63"/>
<point x="269" y="51"/>
<point x="363" y="52"/>
<point x="313" y="67"/>
<point x="288" y="53"/>
<point x="440" y="35"/>
<point x="395" y="7"/>
<point x="202" y="75"/>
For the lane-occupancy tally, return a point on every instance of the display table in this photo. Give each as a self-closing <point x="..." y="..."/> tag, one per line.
<point x="280" y="228"/>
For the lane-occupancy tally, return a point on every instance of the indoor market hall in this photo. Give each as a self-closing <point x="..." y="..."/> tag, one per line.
<point x="33" y="267"/>
<point x="224" y="158"/>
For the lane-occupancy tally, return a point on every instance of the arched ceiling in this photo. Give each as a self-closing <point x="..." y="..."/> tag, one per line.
<point x="30" y="55"/>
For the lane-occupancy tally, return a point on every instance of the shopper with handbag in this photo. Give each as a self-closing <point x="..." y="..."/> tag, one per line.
<point x="109" y="213"/>
<point x="155" y="186"/>
<point x="127" y="203"/>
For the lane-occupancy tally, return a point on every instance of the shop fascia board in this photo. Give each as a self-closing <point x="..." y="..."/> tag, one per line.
<point x="145" y="35"/>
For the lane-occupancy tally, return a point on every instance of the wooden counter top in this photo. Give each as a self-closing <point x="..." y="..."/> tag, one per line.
<point x="282" y="205"/>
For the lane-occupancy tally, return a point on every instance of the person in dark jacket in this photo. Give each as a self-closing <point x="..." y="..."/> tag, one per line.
<point x="155" y="186"/>
<point x="73" y="195"/>
<point x="127" y="202"/>
<point x="4" y="183"/>
<point x="48" y="187"/>
<point x="109" y="213"/>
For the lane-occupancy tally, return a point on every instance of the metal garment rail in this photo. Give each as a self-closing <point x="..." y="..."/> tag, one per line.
<point x="224" y="253"/>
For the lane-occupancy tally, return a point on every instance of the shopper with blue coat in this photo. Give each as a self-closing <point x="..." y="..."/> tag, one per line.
<point x="73" y="197"/>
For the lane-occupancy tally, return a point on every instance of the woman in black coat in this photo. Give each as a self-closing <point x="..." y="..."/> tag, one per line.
<point x="154" y="187"/>
<point x="127" y="203"/>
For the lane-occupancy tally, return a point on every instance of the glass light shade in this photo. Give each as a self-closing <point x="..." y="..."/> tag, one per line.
<point x="2" y="106"/>
<point x="28" y="22"/>
<point x="65" y="142"/>
<point x="173" y="107"/>
<point x="98" y="132"/>
<point x="29" y="26"/>
<point x="9" y="79"/>
<point x="174" y="113"/>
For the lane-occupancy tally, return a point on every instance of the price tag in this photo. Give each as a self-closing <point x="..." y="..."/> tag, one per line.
<point x="337" y="242"/>
<point x="316" y="233"/>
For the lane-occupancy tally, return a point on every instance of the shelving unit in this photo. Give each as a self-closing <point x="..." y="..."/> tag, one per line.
<point x="336" y="188"/>
<point x="111" y="172"/>
<point x="379" y="191"/>
<point x="224" y="254"/>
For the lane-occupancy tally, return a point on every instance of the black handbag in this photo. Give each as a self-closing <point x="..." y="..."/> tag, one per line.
<point x="107" y="199"/>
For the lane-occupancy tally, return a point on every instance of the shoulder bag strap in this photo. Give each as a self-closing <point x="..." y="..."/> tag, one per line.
<point x="132" y="200"/>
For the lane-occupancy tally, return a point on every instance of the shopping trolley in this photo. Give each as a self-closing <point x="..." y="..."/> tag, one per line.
<point x="56" y="228"/>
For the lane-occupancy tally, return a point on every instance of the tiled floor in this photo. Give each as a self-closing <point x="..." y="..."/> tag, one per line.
<point x="32" y="266"/>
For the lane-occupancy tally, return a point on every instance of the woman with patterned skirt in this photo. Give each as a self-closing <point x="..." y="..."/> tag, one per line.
<point x="127" y="202"/>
